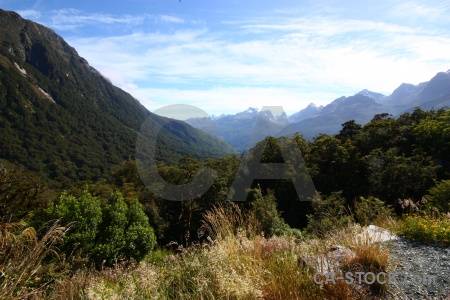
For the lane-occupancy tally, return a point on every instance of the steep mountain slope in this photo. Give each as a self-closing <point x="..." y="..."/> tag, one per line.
<point x="437" y="87"/>
<point x="426" y="95"/>
<point x="313" y="120"/>
<point x="308" y="112"/>
<point x="403" y="96"/>
<point x="329" y="119"/>
<point x="361" y="107"/>
<point x="59" y="116"/>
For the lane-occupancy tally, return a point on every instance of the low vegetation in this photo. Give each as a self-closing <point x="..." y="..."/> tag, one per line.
<point x="114" y="239"/>
<point x="431" y="228"/>
<point x="237" y="262"/>
<point x="234" y="260"/>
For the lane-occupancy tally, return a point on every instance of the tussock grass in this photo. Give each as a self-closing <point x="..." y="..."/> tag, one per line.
<point x="22" y="274"/>
<point x="236" y="261"/>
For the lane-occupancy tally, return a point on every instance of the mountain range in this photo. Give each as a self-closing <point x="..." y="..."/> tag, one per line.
<point x="60" y="117"/>
<point x="313" y="120"/>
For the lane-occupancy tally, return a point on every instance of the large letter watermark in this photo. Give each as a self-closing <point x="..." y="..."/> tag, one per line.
<point x="146" y="150"/>
<point x="293" y="168"/>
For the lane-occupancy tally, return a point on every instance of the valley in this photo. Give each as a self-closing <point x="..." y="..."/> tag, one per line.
<point x="102" y="199"/>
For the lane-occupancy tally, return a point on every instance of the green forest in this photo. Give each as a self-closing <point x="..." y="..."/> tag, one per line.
<point x="80" y="219"/>
<point x="388" y="167"/>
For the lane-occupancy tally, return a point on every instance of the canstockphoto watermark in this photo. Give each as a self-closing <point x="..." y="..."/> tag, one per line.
<point x="372" y="278"/>
<point x="293" y="168"/>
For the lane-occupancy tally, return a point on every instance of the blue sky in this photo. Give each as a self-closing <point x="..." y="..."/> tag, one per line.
<point x="224" y="56"/>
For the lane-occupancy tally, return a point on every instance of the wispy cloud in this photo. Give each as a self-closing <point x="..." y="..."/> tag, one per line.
<point x="428" y="11"/>
<point x="171" y="19"/>
<point x="277" y="59"/>
<point x="298" y="56"/>
<point x="29" y="14"/>
<point x="68" y="19"/>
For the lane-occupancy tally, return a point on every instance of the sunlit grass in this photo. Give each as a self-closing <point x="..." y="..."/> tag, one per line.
<point x="237" y="263"/>
<point x="22" y="271"/>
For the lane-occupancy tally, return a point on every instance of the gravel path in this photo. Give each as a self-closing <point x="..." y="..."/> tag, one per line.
<point x="415" y="264"/>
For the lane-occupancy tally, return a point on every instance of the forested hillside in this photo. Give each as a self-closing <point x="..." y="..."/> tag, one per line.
<point x="74" y="207"/>
<point x="62" y="118"/>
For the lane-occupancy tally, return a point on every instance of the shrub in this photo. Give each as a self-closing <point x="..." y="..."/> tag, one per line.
<point x="425" y="228"/>
<point x="104" y="233"/>
<point x="328" y="214"/>
<point x="139" y="236"/>
<point x="84" y="213"/>
<point x="264" y="209"/>
<point x="440" y="196"/>
<point x="371" y="210"/>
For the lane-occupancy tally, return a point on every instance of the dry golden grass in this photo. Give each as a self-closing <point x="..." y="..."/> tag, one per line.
<point x="237" y="262"/>
<point x="21" y="254"/>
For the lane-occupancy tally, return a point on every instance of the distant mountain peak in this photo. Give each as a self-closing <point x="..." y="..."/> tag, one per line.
<point x="251" y="110"/>
<point x="372" y="95"/>
<point x="215" y="117"/>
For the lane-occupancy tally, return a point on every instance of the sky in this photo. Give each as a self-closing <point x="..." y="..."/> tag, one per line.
<point x="224" y="56"/>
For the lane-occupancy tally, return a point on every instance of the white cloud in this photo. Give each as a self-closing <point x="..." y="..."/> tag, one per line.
<point x="228" y="99"/>
<point x="69" y="19"/>
<point x="171" y="19"/>
<point x="296" y="61"/>
<point x="429" y="11"/>
<point x="29" y="14"/>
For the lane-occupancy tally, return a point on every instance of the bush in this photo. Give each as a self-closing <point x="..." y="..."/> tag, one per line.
<point x="104" y="233"/>
<point x="329" y="214"/>
<point x="371" y="210"/>
<point x="425" y="228"/>
<point x="264" y="209"/>
<point x="84" y="215"/>
<point x="440" y="196"/>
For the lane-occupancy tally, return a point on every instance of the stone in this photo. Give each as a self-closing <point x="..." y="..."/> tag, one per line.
<point x="375" y="234"/>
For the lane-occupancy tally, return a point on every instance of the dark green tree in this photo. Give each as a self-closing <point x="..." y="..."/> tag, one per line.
<point x="83" y="214"/>
<point x="139" y="236"/>
<point x="439" y="196"/>
<point x="329" y="161"/>
<point x="104" y="233"/>
<point x="349" y="129"/>
<point x="393" y="176"/>
<point x="329" y="213"/>
<point x="110" y="240"/>
<point x="264" y="208"/>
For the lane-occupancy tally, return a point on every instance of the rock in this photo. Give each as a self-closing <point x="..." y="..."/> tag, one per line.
<point x="331" y="261"/>
<point x="375" y="234"/>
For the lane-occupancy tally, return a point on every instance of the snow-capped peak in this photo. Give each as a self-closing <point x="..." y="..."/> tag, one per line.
<point x="215" y="117"/>
<point x="251" y="110"/>
<point x="371" y="95"/>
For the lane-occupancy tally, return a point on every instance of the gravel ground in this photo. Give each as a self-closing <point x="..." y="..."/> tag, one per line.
<point x="413" y="263"/>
